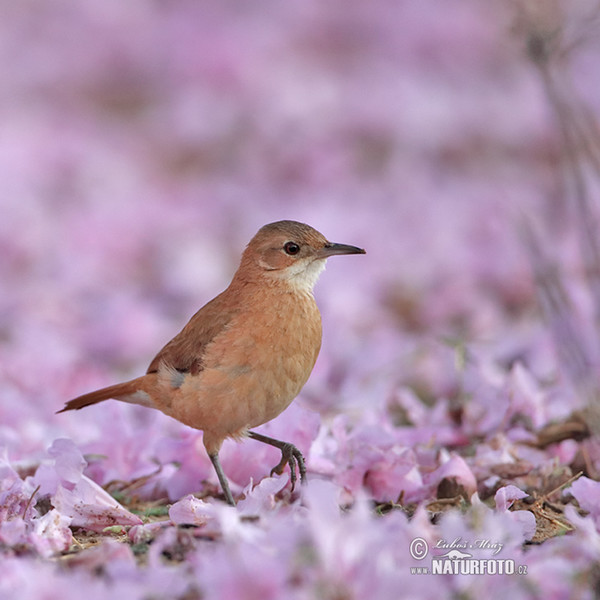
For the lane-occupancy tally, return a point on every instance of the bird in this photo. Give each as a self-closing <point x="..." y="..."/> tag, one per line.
<point x="244" y="356"/>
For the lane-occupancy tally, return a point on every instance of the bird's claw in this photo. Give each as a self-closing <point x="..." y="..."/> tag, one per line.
<point x="290" y="455"/>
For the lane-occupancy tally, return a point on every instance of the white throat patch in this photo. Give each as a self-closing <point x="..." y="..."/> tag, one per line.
<point x="302" y="277"/>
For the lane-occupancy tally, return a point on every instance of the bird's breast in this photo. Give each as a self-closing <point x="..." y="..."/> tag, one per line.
<point x="255" y="367"/>
<point x="271" y="349"/>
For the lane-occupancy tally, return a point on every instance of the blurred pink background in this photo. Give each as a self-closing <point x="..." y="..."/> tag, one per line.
<point x="142" y="144"/>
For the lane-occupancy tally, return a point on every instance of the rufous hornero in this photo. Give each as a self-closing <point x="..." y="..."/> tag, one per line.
<point x="243" y="357"/>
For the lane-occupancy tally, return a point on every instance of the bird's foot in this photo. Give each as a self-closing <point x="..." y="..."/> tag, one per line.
<point x="290" y="455"/>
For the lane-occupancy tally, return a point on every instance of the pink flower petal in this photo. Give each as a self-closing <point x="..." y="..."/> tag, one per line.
<point x="191" y="511"/>
<point x="453" y="467"/>
<point x="506" y="495"/>
<point x="91" y="507"/>
<point x="587" y="493"/>
<point x="262" y="496"/>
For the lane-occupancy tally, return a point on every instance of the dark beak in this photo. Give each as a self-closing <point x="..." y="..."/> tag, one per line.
<point x="332" y="249"/>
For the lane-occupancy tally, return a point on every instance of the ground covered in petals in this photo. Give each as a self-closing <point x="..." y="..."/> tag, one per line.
<point x="451" y="426"/>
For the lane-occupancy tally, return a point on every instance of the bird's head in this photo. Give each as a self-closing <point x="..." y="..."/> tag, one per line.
<point x="292" y="252"/>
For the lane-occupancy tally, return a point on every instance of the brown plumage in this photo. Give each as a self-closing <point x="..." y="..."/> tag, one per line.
<point x="112" y="391"/>
<point x="244" y="356"/>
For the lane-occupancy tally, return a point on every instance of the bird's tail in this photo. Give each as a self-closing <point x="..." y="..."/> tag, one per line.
<point x="131" y="391"/>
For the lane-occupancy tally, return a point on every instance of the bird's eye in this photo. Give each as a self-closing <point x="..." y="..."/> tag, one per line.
<point x="291" y="248"/>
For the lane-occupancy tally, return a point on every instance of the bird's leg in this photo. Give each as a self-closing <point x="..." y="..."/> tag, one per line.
<point x="214" y="458"/>
<point x="290" y="455"/>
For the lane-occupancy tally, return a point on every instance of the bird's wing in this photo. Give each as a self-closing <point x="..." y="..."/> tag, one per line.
<point x="186" y="350"/>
